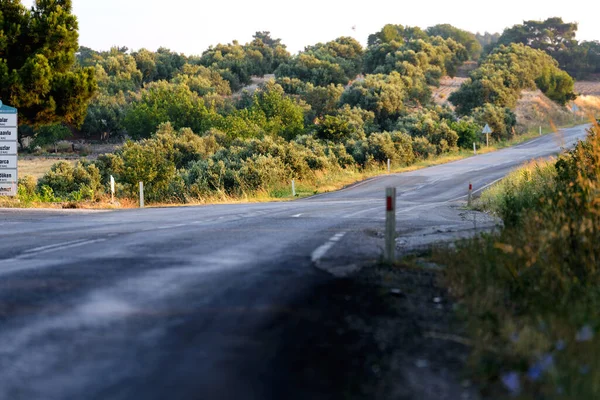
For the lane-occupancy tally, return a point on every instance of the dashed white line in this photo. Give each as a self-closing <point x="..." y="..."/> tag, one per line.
<point x="296" y="216"/>
<point x="320" y="252"/>
<point x="364" y="211"/>
<point x="61" y="246"/>
<point x="52" y="246"/>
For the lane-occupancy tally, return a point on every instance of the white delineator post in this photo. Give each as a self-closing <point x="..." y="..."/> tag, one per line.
<point x="470" y="199"/>
<point x="293" y="188"/>
<point x="389" y="165"/>
<point x="474" y="148"/>
<point x="112" y="189"/>
<point x="540" y="131"/>
<point x="141" y="194"/>
<point x="390" y="225"/>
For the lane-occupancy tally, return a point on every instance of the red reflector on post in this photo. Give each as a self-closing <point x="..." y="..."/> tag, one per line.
<point x="470" y="187"/>
<point x="390" y="204"/>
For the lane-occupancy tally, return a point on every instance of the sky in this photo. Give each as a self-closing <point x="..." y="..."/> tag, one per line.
<point x="191" y="26"/>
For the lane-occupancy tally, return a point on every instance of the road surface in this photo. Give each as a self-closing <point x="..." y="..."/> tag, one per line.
<point x="188" y="303"/>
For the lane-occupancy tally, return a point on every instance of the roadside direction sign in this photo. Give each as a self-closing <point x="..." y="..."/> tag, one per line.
<point x="8" y="162"/>
<point x="9" y="176"/>
<point x="8" y="148"/>
<point x="8" y="134"/>
<point x="8" y="189"/>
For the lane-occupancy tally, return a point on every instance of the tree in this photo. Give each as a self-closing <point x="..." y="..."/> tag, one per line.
<point x="161" y="102"/>
<point x="37" y="63"/>
<point x="506" y="72"/>
<point x="335" y="62"/>
<point x="465" y="38"/>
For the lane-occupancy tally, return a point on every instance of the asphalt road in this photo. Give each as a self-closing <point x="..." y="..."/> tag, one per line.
<point x="187" y="303"/>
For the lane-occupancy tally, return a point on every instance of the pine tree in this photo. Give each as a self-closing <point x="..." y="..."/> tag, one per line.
<point x="38" y="74"/>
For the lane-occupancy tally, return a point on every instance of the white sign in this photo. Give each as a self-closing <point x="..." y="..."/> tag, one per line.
<point x="8" y="189"/>
<point x="8" y="175"/>
<point x="8" y="134"/>
<point x="8" y="120"/>
<point x="487" y="129"/>
<point x="8" y="151"/>
<point x="8" y="162"/>
<point x="8" y="148"/>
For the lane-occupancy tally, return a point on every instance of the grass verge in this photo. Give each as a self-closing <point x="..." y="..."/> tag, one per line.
<point x="530" y="294"/>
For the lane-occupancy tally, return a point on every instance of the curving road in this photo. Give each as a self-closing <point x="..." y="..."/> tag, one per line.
<point x="188" y="303"/>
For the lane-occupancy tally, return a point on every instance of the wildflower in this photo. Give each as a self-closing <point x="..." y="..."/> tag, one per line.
<point x="585" y="334"/>
<point x="512" y="382"/>
<point x="537" y="370"/>
<point x="584" y="369"/>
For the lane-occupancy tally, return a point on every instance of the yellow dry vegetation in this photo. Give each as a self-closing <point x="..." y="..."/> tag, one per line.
<point x="37" y="167"/>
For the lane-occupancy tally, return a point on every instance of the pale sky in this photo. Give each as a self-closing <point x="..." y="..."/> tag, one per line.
<point x="190" y="26"/>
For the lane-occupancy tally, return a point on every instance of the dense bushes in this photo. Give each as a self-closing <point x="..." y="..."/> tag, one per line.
<point x="531" y="292"/>
<point x="502" y="76"/>
<point x="79" y="182"/>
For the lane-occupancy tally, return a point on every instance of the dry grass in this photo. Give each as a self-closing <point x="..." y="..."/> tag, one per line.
<point x="587" y="88"/>
<point x="37" y="167"/>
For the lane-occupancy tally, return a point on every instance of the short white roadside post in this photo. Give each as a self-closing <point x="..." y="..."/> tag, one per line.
<point x="474" y="148"/>
<point x="390" y="225"/>
<point x="141" y="194"/>
<point x="470" y="198"/>
<point x="389" y="166"/>
<point x="112" y="189"/>
<point x="293" y="188"/>
<point x="540" y="131"/>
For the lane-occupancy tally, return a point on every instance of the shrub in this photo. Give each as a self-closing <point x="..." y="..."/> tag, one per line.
<point x="81" y="181"/>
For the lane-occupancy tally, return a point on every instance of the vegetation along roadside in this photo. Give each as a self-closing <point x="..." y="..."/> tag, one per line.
<point x="530" y="293"/>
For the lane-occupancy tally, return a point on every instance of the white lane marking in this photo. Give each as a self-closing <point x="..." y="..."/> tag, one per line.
<point x="52" y="246"/>
<point x="320" y="252"/>
<point x="363" y="211"/>
<point x="62" y="246"/>
<point x="296" y="216"/>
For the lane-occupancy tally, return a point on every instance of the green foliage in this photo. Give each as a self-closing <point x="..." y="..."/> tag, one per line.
<point x="501" y="120"/>
<point x="333" y="128"/>
<point x="237" y="63"/>
<point x="530" y="292"/>
<point x="505" y="73"/>
<point x="487" y="40"/>
<point x="383" y="95"/>
<point x="78" y="182"/>
<point x="402" y="48"/>
<point x="105" y="116"/>
<point x="557" y="38"/>
<point x="557" y="85"/>
<point x="271" y="113"/>
<point x="202" y="80"/>
<point x="467" y="39"/>
<point x="468" y="132"/>
<point x="117" y="72"/>
<point x="49" y="135"/>
<point x="161" y="102"/>
<point x="520" y="192"/>
<point x="432" y="124"/>
<point x="37" y="57"/>
<point x="336" y="62"/>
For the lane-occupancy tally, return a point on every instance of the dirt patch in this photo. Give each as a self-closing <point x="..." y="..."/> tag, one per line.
<point x="384" y="333"/>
